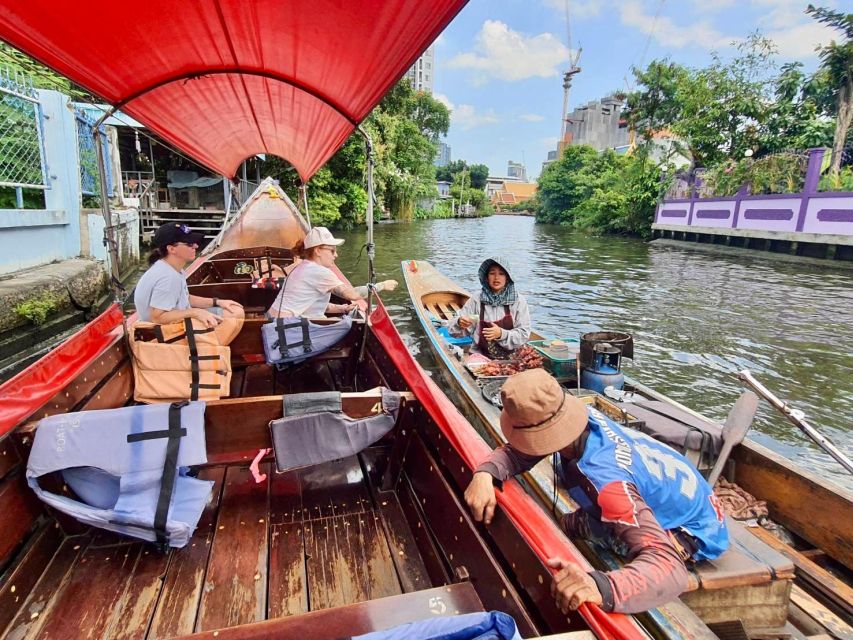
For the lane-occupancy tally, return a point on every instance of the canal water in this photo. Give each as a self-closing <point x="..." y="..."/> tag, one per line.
<point x="697" y="317"/>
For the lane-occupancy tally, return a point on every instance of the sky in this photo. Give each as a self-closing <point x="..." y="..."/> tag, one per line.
<point x="499" y="64"/>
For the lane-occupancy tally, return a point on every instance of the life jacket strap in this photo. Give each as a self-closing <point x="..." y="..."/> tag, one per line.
<point x="170" y="466"/>
<point x="283" y="345"/>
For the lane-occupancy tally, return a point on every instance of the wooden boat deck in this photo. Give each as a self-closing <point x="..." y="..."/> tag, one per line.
<point x="298" y="542"/>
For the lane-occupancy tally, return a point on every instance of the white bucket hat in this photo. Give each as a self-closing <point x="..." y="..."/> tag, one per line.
<point x="321" y="236"/>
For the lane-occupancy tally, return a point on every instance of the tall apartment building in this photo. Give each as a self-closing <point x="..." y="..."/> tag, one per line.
<point x="516" y="170"/>
<point x="422" y="73"/>
<point x="442" y="159"/>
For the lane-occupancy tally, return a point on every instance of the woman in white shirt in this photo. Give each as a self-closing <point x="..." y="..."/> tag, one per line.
<point x="308" y="288"/>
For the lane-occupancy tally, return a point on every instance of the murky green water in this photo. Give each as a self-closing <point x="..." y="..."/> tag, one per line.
<point x="697" y="317"/>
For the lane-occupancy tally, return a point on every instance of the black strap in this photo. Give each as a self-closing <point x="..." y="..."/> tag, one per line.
<point x="170" y="466"/>
<point x="158" y="333"/>
<point x="283" y="345"/>
<point x="196" y="373"/>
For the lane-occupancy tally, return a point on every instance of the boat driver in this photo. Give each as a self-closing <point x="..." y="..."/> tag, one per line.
<point x="162" y="296"/>
<point x="636" y="495"/>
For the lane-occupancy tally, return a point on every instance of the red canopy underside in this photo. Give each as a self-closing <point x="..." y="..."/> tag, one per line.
<point x="225" y="80"/>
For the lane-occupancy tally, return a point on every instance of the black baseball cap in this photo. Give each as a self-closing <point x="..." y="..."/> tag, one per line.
<point x="175" y="232"/>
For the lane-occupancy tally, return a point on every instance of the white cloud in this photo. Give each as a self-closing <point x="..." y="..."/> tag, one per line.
<point x="668" y="33"/>
<point x="531" y="117"/>
<point x="783" y="21"/>
<point x="577" y="8"/>
<point x="503" y="54"/>
<point x="443" y="99"/>
<point x="795" y="33"/>
<point x="800" y="41"/>
<point x="467" y="117"/>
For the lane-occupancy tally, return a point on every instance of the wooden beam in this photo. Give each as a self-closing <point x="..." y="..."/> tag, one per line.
<point x="811" y="573"/>
<point x="820" y="614"/>
<point x="363" y="617"/>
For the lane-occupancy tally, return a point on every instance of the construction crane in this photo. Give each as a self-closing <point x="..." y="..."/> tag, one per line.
<point x="574" y="69"/>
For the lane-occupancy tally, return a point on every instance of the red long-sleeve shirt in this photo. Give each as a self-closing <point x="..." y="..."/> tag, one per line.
<point x="655" y="573"/>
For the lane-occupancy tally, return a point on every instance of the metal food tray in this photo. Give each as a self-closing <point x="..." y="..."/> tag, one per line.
<point x="473" y="368"/>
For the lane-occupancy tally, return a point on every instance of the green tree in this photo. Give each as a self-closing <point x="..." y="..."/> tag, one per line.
<point x="728" y="107"/>
<point x="565" y="184"/>
<point x="836" y="67"/>
<point x="479" y="175"/>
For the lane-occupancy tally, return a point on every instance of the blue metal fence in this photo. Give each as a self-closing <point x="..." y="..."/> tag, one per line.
<point x="22" y="163"/>
<point x="89" y="179"/>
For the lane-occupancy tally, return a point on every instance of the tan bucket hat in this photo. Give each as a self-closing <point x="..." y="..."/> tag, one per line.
<point x="539" y="417"/>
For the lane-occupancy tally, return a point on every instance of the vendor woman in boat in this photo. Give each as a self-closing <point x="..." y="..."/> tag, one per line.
<point x="498" y="316"/>
<point x="636" y="495"/>
<point x="308" y="288"/>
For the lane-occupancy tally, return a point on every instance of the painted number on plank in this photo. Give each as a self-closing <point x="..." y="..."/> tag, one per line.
<point x="437" y="606"/>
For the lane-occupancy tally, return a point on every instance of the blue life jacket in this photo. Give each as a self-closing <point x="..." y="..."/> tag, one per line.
<point x="292" y="340"/>
<point x="491" y="625"/>
<point x="675" y="491"/>
<point x="128" y="468"/>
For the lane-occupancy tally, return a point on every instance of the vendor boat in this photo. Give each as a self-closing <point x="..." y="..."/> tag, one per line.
<point x="751" y="583"/>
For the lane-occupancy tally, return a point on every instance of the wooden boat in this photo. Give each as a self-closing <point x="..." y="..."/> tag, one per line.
<point x="333" y="550"/>
<point x="759" y="563"/>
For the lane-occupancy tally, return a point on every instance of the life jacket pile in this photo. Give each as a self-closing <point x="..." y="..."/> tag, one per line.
<point x="187" y="362"/>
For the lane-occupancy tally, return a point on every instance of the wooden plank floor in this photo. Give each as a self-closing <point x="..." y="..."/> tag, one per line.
<point x="298" y="542"/>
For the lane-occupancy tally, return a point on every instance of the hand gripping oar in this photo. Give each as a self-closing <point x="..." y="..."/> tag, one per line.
<point x="737" y="424"/>
<point x="798" y="418"/>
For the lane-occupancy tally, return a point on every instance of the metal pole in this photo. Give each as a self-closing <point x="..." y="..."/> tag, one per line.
<point x="371" y="248"/>
<point x="109" y="229"/>
<point x="304" y="190"/>
<point x="798" y="419"/>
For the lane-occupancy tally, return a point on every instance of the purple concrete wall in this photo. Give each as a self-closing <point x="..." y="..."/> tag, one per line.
<point x="808" y="212"/>
<point x="826" y="214"/>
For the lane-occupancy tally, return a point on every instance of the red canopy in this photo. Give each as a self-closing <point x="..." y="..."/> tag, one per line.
<point x="224" y="80"/>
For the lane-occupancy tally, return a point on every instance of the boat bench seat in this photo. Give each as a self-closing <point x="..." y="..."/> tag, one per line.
<point x="359" y="618"/>
<point x="751" y="582"/>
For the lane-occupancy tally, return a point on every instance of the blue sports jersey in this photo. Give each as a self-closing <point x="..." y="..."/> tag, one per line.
<point x="672" y="487"/>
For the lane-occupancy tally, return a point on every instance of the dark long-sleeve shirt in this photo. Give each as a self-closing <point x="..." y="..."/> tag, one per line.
<point x="655" y="573"/>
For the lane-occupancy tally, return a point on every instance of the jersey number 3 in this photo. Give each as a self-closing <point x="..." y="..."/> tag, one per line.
<point x="660" y="463"/>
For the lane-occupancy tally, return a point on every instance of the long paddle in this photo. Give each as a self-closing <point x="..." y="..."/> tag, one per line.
<point x="737" y="424"/>
<point x="798" y="418"/>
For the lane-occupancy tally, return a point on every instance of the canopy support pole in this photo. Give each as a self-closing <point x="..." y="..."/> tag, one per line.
<point x="303" y="189"/>
<point x="371" y="248"/>
<point x="110" y="240"/>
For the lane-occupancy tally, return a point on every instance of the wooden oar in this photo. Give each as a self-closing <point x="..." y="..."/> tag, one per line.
<point x="737" y="424"/>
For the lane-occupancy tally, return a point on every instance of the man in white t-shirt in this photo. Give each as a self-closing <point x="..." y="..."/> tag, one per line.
<point x="161" y="295"/>
<point x="308" y="289"/>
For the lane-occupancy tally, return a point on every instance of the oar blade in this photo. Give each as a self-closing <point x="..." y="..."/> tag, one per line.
<point x="737" y="424"/>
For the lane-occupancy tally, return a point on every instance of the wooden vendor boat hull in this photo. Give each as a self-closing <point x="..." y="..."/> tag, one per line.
<point x="333" y="550"/>
<point x="805" y="504"/>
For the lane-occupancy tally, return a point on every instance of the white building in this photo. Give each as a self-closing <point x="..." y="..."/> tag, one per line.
<point x="422" y="73"/>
